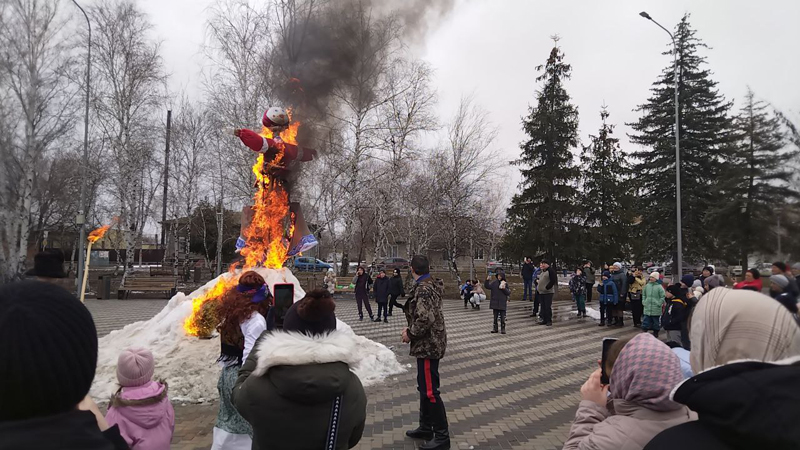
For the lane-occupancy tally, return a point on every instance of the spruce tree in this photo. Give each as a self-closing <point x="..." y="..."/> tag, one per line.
<point x="706" y="141"/>
<point x="757" y="185"/>
<point x="541" y="217"/>
<point x="607" y="197"/>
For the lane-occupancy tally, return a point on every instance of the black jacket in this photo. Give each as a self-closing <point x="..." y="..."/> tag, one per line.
<point x="74" y="430"/>
<point x="363" y="283"/>
<point x="286" y="392"/>
<point x="381" y="287"/>
<point x="744" y="405"/>
<point x="676" y="313"/>
<point x="527" y="271"/>
<point x="396" y="286"/>
<point x="499" y="298"/>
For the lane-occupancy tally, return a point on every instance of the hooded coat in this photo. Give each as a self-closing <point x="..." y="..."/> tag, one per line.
<point x="744" y="352"/>
<point x="499" y="298"/>
<point x="144" y="415"/>
<point x="642" y="377"/>
<point x="608" y="292"/>
<point x="287" y="387"/>
<point x="653" y="297"/>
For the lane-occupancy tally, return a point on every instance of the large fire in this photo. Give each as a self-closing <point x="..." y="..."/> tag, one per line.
<point x="266" y="236"/>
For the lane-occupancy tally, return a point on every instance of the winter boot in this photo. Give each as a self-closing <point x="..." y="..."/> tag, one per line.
<point x="478" y="307"/>
<point x="376" y="320"/>
<point x="425" y="429"/>
<point x="494" y="329"/>
<point x="655" y="333"/>
<point x="385" y="320"/>
<point x="602" y="323"/>
<point x="441" y="433"/>
<point x="503" y="327"/>
<point x="620" y="323"/>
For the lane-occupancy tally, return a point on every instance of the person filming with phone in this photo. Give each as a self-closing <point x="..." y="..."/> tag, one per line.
<point x="638" y="393"/>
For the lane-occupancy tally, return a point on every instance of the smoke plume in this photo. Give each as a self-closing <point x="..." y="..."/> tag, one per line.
<point x="329" y="50"/>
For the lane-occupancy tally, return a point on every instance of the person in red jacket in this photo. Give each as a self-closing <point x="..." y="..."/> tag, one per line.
<point x="752" y="281"/>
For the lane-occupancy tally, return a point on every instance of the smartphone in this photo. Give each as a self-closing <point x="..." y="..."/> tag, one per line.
<point x="607" y="343"/>
<point x="284" y="298"/>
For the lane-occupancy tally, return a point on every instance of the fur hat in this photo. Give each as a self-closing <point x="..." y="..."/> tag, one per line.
<point x="48" y="264"/>
<point x="135" y="367"/>
<point x="313" y="314"/>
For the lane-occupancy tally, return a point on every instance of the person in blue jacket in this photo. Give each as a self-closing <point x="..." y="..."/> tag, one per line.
<point x="609" y="296"/>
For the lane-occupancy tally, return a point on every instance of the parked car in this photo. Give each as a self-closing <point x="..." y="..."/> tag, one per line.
<point x="737" y="271"/>
<point x="306" y="264"/>
<point x="389" y="264"/>
<point x="492" y="265"/>
<point x="765" y="269"/>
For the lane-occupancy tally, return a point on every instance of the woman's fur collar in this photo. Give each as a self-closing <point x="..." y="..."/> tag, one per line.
<point x="281" y="348"/>
<point x="117" y="401"/>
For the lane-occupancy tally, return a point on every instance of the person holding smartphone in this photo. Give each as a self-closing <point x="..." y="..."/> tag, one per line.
<point x="499" y="302"/>
<point x="638" y="394"/>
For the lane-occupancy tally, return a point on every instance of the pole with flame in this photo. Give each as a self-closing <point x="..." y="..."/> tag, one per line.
<point x="94" y="236"/>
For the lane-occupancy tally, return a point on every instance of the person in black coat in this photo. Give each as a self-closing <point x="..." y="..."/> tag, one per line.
<point x="499" y="301"/>
<point x="676" y="315"/>
<point x="48" y="359"/>
<point x="396" y="289"/>
<point x="527" y="279"/>
<point x="381" y="290"/>
<point x="297" y="383"/>
<point x="362" y="282"/>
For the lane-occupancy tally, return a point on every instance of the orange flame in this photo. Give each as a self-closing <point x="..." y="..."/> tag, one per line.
<point x="98" y="234"/>
<point x="266" y="236"/>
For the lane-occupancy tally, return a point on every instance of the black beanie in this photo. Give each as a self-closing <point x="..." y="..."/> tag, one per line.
<point x="313" y="314"/>
<point x="48" y="353"/>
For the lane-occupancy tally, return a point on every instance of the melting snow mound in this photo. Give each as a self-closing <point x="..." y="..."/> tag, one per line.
<point x="188" y="364"/>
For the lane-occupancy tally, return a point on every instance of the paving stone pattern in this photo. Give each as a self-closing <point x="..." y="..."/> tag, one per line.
<point x="513" y="391"/>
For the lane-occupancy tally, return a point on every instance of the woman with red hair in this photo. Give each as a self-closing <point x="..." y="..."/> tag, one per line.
<point x="242" y="313"/>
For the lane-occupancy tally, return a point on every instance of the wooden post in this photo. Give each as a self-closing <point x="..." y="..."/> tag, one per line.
<point x="86" y="270"/>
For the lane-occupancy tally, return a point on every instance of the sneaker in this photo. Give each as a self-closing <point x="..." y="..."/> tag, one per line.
<point x="375" y="320"/>
<point x="493" y="331"/>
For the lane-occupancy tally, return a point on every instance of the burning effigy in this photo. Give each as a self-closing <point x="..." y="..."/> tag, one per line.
<point x="183" y="336"/>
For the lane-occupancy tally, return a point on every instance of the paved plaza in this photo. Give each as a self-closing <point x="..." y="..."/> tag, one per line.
<point x="513" y="391"/>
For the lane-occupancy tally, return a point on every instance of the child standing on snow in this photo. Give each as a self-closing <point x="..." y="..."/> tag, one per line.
<point x="577" y="285"/>
<point x="141" y="407"/>
<point x="653" y="303"/>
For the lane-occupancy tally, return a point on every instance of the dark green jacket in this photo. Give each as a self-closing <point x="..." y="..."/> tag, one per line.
<point x="287" y="387"/>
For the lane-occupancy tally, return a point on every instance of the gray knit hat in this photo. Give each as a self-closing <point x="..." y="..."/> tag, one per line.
<point x="780" y="280"/>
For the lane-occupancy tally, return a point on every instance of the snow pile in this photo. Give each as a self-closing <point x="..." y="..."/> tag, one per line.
<point x="189" y="365"/>
<point x="591" y="312"/>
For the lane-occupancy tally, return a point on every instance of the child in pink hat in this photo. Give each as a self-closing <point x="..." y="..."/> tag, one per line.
<point x="141" y="406"/>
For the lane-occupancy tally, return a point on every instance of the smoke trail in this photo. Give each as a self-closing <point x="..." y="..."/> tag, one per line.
<point x="329" y="50"/>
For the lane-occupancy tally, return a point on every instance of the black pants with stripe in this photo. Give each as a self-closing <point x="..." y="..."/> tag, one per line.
<point x="431" y="409"/>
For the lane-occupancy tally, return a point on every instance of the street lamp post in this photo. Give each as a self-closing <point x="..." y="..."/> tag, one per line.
<point x="81" y="219"/>
<point x="677" y="147"/>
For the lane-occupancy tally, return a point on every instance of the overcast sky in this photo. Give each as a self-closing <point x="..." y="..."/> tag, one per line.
<point x="490" y="48"/>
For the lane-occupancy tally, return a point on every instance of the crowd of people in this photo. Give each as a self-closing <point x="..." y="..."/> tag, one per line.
<point x="726" y="377"/>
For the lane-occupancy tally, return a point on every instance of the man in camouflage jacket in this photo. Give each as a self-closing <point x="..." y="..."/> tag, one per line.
<point x="428" y="338"/>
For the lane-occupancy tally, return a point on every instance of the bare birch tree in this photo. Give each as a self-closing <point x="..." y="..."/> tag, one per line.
<point x="130" y="84"/>
<point x="34" y="61"/>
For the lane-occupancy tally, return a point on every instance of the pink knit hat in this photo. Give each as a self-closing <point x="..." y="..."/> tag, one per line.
<point x="135" y="367"/>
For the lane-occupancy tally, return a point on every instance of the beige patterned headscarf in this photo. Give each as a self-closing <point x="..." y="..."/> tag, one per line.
<point x="729" y="325"/>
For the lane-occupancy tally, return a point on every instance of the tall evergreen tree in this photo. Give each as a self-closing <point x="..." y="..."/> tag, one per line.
<point x="706" y="140"/>
<point x="542" y="215"/>
<point x="757" y="187"/>
<point x="607" y="198"/>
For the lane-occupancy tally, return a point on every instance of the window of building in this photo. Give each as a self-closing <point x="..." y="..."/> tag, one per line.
<point x="479" y="254"/>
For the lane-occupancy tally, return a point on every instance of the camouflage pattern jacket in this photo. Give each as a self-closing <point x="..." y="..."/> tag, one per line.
<point x="426" y="320"/>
